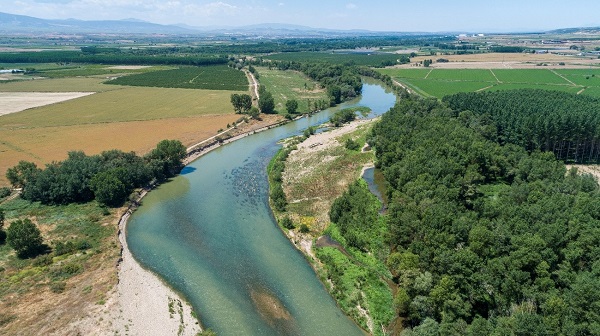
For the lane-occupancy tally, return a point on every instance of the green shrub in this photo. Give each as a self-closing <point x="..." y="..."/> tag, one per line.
<point x="25" y="238"/>
<point x="287" y="223"/>
<point x="304" y="228"/>
<point x="58" y="286"/>
<point x="4" y="192"/>
<point x="43" y="260"/>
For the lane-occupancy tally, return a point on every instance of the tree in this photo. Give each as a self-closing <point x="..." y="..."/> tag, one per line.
<point x="22" y="173"/>
<point x="236" y="101"/>
<point x="335" y="94"/>
<point x="254" y="113"/>
<point x="266" y="103"/>
<point x="166" y="160"/>
<point x="25" y="238"/>
<point x="245" y="102"/>
<point x="2" y="233"/>
<point x="291" y="106"/>
<point x="108" y="188"/>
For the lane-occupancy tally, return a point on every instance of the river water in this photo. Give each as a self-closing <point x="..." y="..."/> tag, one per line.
<point x="210" y="234"/>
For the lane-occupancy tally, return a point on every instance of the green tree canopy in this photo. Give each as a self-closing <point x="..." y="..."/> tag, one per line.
<point x="266" y="103"/>
<point x="25" y="238"/>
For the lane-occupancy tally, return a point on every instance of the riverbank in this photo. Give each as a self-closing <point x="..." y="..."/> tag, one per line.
<point x="316" y="173"/>
<point x="141" y="303"/>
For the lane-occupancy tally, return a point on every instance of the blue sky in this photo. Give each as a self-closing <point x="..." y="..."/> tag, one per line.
<point x="388" y="15"/>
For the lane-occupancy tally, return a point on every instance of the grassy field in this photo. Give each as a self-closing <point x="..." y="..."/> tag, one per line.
<point x="42" y="295"/>
<point x="126" y="104"/>
<point x="74" y="84"/>
<point x="441" y="82"/>
<point x="218" y="77"/>
<point x="369" y="59"/>
<point x="122" y="117"/>
<point x="285" y="85"/>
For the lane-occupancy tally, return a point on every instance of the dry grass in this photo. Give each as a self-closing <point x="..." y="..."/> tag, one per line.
<point x="12" y="102"/>
<point x="497" y="57"/>
<point x="44" y="145"/>
<point x="315" y="176"/>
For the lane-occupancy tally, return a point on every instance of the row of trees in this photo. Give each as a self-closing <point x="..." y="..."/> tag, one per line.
<point x="108" y="177"/>
<point x="107" y="58"/>
<point x="564" y="123"/>
<point x="486" y="239"/>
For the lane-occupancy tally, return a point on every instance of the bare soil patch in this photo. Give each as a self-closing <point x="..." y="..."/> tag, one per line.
<point x="506" y="61"/>
<point x="11" y="102"/>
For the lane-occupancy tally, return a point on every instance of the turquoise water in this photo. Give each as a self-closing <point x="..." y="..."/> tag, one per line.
<point x="211" y="235"/>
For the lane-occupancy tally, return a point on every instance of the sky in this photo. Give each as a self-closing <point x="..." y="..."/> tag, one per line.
<point x="377" y="15"/>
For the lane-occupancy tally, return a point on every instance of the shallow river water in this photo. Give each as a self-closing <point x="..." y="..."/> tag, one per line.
<point x="210" y="234"/>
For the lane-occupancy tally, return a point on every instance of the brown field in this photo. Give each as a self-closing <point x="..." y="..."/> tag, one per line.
<point x="11" y="102"/>
<point x="506" y="61"/>
<point x="47" y="144"/>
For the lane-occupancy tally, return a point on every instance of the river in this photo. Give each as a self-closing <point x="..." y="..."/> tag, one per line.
<point x="210" y="234"/>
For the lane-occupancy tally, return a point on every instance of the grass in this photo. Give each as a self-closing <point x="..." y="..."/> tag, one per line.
<point x="74" y="84"/>
<point x="32" y="286"/>
<point x="441" y="82"/>
<point x="529" y="76"/>
<point x="285" y="85"/>
<point x="369" y="59"/>
<point x="89" y="70"/>
<point x="127" y="104"/>
<point x="313" y="179"/>
<point x="218" y="77"/>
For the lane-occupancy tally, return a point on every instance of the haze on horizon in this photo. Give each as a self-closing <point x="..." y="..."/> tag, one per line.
<point x="383" y="15"/>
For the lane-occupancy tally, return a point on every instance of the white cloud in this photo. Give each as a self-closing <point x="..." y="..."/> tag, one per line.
<point x="351" y="6"/>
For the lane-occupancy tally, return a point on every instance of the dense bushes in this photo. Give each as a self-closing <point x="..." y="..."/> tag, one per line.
<point x="25" y="238"/>
<point x="485" y="238"/>
<point x="108" y="177"/>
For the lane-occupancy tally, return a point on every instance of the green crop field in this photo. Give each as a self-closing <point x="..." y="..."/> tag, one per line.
<point x="87" y="70"/>
<point x="218" y="77"/>
<point x="369" y="59"/>
<point x="285" y="85"/>
<point x="530" y="76"/>
<point x="438" y="88"/>
<point x="441" y="82"/>
<point x="473" y="75"/>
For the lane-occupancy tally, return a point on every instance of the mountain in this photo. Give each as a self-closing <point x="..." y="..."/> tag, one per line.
<point x="11" y="23"/>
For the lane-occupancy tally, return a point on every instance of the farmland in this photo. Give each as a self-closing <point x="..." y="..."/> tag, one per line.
<point x="125" y="104"/>
<point x="209" y="78"/>
<point x="440" y="82"/>
<point x="285" y="85"/>
<point x="358" y="58"/>
<point x="129" y="118"/>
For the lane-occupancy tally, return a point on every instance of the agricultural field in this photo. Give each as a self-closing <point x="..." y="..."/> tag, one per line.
<point x="285" y="85"/>
<point x="437" y="82"/>
<point x="129" y="118"/>
<point x="126" y="104"/>
<point x="358" y="58"/>
<point x="218" y="77"/>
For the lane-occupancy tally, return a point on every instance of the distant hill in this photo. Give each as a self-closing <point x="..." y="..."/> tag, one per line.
<point x="11" y="23"/>
<point x="581" y="30"/>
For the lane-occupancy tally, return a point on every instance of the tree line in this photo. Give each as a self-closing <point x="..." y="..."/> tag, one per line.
<point x="564" y="123"/>
<point x="109" y="177"/>
<point x="108" y="58"/>
<point x="485" y="238"/>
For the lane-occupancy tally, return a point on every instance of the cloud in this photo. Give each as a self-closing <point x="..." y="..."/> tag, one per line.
<point x="281" y="4"/>
<point x="351" y="6"/>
